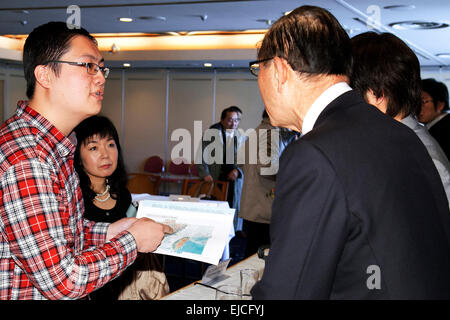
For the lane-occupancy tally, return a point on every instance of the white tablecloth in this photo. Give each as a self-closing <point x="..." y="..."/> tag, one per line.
<point x="199" y="292"/>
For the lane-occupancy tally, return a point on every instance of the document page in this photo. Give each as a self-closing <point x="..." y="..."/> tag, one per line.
<point x="201" y="231"/>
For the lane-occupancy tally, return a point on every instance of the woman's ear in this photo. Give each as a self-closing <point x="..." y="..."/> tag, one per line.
<point x="41" y="73"/>
<point x="379" y="102"/>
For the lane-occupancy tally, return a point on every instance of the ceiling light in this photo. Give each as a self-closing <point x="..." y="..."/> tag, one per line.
<point x="126" y="19"/>
<point x="417" y="25"/>
<point x="161" y="18"/>
<point x="443" y="55"/>
<point x="400" y="7"/>
<point x="268" y="22"/>
<point x="127" y="65"/>
<point x="114" y="48"/>
<point x="207" y="65"/>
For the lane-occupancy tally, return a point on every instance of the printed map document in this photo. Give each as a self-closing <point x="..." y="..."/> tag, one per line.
<point x="201" y="229"/>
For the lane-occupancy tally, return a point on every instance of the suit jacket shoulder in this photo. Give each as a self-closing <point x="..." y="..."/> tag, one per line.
<point x="441" y="132"/>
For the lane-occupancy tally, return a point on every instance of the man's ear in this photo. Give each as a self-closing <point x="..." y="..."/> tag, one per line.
<point x="440" y="106"/>
<point x="41" y="73"/>
<point x="281" y="69"/>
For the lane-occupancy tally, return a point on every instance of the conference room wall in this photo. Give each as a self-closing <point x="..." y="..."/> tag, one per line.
<point x="191" y="98"/>
<point x="148" y="105"/>
<point x="2" y="84"/>
<point x="14" y="88"/>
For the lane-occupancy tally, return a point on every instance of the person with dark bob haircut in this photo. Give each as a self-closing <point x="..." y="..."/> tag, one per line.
<point x="434" y="112"/>
<point x="48" y="250"/>
<point x="354" y="193"/>
<point x="89" y="134"/>
<point x="387" y="74"/>
<point x="387" y="67"/>
<point x="103" y="179"/>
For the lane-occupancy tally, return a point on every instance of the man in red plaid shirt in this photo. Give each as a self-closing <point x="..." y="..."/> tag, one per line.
<point x="47" y="249"/>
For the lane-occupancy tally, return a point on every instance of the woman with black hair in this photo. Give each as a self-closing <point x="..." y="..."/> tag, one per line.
<point x="99" y="163"/>
<point x="103" y="179"/>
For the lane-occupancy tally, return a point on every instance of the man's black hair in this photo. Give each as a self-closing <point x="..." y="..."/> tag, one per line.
<point x="45" y="43"/>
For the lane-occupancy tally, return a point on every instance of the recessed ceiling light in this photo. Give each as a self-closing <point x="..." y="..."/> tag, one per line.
<point x="417" y="25"/>
<point x="127" y="65"/>
<point x="207" y="65"/>
<point x="126" y="19"/>
<point x="443" y="55"/>
<point x="161" y="18"/>
<point x="400" y="7"/>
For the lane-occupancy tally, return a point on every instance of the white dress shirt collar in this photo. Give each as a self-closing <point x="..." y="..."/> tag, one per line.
<point x="321" y="102"/>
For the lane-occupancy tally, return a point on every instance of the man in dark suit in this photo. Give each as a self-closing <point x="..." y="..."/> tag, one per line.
<point x="359" y="209"/>
<point x="434" y="112"/>
<point x="226" y="169"/>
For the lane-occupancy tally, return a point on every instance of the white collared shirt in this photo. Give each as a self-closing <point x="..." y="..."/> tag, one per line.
<point x="321" y="102"/>
<point x="229" y="134"/>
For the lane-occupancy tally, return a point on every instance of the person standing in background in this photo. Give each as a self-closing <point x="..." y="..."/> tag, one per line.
<point x="258" y="191"/>
<point x="387" y="74"/>
<point x="434" y="112"/>
<point x="226" y="169"/>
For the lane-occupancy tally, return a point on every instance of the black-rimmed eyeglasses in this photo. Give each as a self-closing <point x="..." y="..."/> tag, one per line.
<point x="254" y="66"/>
<point x="91" y="67"/>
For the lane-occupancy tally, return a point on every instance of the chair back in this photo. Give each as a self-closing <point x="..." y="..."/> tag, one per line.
<point x="179" y="166"/>
<point x="143" y="183"/>
<point x="193" y="171"/>
<point x="218" y="190"/>
<point x="154" y="164"/>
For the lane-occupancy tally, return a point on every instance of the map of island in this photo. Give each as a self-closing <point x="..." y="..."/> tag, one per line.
<point x="187" y="238"/>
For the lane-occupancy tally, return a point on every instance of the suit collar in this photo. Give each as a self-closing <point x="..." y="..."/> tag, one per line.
<point x="345" y="100"/>
<point x="321" y="103"/>
<point x="436" y="120"/>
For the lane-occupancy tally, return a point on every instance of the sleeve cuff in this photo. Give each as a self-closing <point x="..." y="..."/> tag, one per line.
<point x="126" y="244"/>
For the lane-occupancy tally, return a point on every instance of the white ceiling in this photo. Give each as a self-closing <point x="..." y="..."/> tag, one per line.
<point x="101" y="16"/>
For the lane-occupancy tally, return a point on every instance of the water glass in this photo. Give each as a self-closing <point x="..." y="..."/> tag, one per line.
<point x="228" y="292"/>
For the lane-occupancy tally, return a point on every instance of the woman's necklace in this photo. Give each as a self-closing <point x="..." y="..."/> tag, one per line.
<point x="99" y="195"/>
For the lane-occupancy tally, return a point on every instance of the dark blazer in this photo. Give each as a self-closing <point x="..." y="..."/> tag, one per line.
<point x="441" y="132"/>
<point x="359" y="213"/>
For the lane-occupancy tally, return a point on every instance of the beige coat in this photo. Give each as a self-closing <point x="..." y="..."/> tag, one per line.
<point x="258" y="189"/>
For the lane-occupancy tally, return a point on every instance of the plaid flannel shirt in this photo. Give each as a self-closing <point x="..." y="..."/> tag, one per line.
<point x="47" y="249"/>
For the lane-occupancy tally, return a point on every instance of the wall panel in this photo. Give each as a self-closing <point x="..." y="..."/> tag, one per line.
<point x="2" y="85"/>
<point x="190" y="99"/>
<point x="144" y="117"/>
<point x="16" y="91"/>
<point x="240" y="89"/>
<point x="112" y="100"/>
